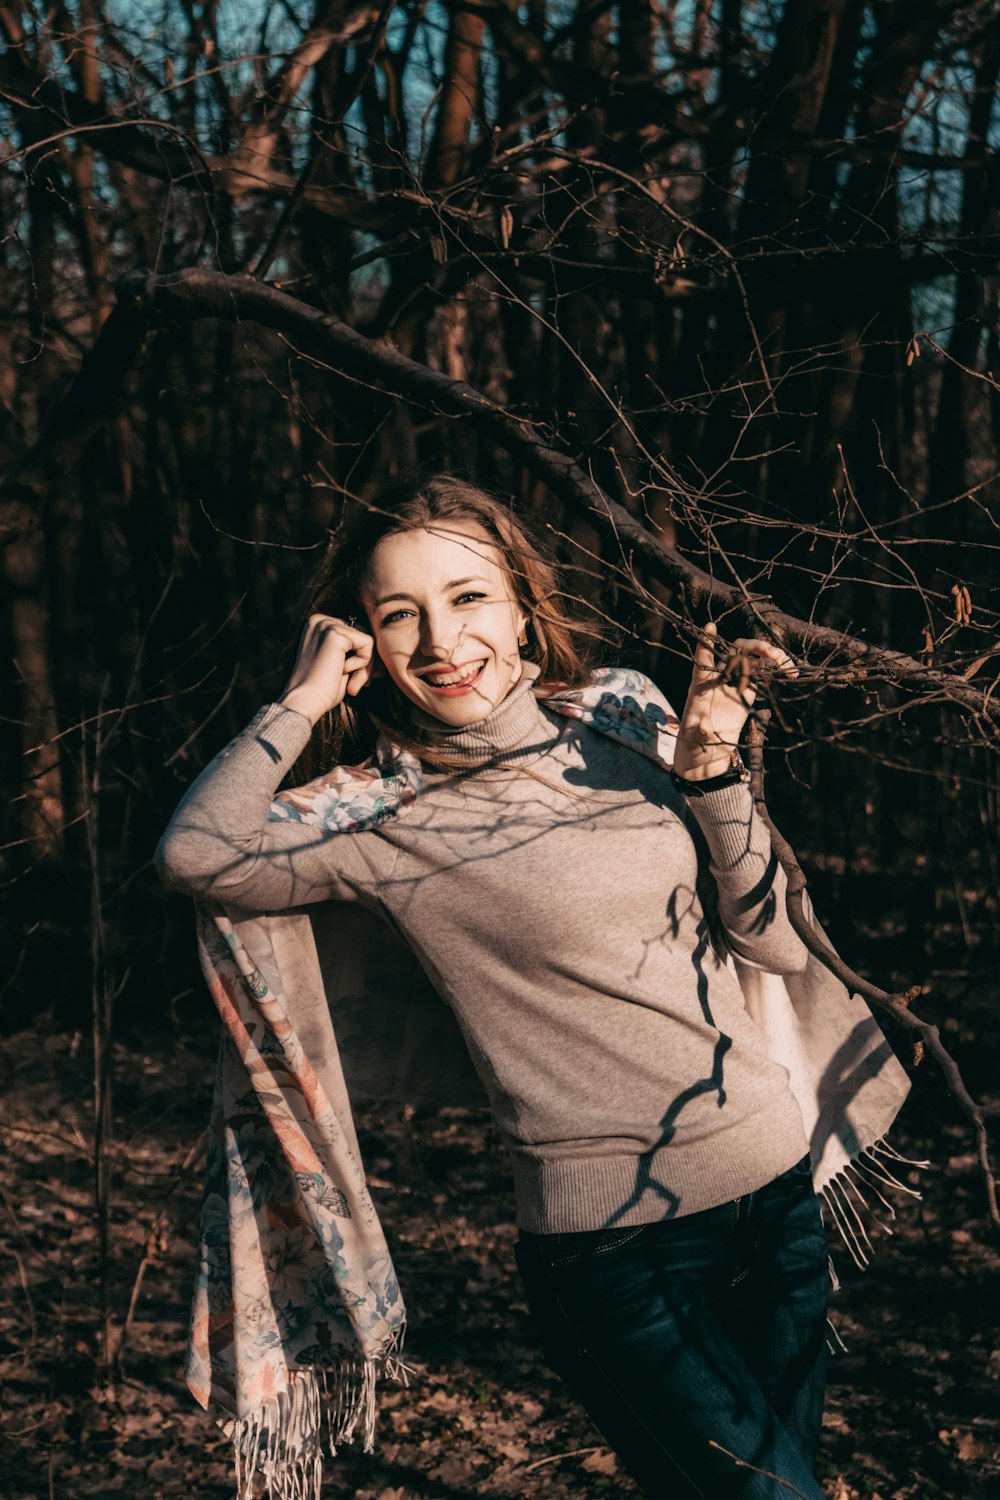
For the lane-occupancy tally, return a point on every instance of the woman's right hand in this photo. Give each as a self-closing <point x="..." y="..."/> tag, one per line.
<point x="334" y="662"/>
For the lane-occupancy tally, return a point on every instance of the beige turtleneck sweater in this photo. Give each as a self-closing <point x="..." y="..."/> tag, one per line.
<point x="550" y="895"/>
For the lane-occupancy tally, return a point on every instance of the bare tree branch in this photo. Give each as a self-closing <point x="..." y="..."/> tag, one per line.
<point x="145" y="299"/>
<point x="926" y="1035"/>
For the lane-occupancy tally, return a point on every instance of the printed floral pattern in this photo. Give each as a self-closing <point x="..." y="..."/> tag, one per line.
<point x="649" y="728"/>
<point x="352" y="797"/>
<point x="289" y="1237"/>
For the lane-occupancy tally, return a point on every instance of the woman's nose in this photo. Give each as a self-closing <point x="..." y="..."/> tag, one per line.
<point x="438" y="637"/>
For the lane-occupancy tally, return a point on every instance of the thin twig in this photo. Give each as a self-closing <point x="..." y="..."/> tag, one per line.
<point x="304" y="183"/>
<point x="753" y="1468"/>
<point x="897" y="1005"/>
<point x="22" y="1273"/>
<point x="150" y="1249"/>
<point x="554" y="1458"/>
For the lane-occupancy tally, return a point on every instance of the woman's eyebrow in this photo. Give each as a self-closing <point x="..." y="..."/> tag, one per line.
<point x="454" y="584"/>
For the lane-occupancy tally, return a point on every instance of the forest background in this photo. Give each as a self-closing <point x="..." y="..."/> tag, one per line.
<point x="711" y="288"/>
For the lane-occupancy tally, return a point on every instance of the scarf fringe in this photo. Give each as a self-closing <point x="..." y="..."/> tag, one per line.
<point x="848" y="1191"/>
<point x="279" y="1448"/>
<point x="865" y="1175"/>
<point x="834" y="1343"/>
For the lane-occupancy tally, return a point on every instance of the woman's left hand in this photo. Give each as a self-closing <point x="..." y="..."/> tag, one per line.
<point x="718" y="703"/>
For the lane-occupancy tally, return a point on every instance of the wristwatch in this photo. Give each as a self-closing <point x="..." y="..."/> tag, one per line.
<point x="732" y="776"/>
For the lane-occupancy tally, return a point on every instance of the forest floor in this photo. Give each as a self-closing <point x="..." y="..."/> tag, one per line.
<point x="913" y="1409"/>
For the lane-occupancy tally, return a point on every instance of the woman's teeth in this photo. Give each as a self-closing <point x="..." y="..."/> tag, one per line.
<point x="458" y="678"/>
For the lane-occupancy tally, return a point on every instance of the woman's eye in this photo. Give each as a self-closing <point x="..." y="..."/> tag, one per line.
<point x="469" y="597"/>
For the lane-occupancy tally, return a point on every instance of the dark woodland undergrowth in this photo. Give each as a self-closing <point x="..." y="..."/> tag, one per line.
<point x="914" y="1404"/>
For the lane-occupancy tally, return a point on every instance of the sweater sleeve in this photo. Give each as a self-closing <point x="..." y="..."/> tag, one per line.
<point x="220" y="845"/>
<point x="750" y="881"/>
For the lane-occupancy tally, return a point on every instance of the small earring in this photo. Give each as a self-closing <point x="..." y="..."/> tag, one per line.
<point x="522" y="639"/>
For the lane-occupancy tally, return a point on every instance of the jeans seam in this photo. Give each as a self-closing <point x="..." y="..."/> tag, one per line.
<point x="571" y="1260"/>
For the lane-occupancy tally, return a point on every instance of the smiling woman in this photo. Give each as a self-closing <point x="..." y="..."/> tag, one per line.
<point x="549" y="880"/>
<point x="450" y="643"/>
<point x="456" y="596"/>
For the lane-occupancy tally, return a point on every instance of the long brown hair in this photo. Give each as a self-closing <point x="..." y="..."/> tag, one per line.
<point x="556" y="641"/>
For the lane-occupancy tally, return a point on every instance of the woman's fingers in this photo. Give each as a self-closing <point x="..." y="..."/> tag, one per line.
<point x="721" y="696"/>
<point x="358" y="669"/>
<point x="704" y="652"/>
<point x="742" y="654"/>
<point x="358" y="649"/>
<point x="326" y="628"/>
<point x="351" y="633"/>
<point x="767" y="651"/>
<point x="333" y="638"/>
<point x="733" y="673"/>
<point x="334" y="659"/>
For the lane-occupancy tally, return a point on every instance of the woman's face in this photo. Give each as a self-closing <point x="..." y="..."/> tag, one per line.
<point x="445" y="620"/>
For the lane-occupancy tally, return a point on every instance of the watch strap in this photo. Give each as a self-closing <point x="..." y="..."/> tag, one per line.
<point x="732" y="776"/>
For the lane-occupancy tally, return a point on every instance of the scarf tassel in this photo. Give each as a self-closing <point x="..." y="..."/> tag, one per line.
<point x="864" y="1176"/>
<point x="279" y="1447"/>
<point x="852" y="1188"/>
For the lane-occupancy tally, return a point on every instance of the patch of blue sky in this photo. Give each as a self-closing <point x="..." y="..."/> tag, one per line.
<point x="243" y="28"/>
<point x="930" y="200"/>
<point x="932" y="305"/>
<point x="938" y="109"/>
<point x="429" y="49"/>
<point x="252" y="37"/>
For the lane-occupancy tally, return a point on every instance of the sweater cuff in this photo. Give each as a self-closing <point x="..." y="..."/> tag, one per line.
<point x="277" y="732"/>
<point x="726" y="818"/>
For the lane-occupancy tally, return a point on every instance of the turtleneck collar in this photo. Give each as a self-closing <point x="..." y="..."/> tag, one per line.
<point x="514" y="730"/>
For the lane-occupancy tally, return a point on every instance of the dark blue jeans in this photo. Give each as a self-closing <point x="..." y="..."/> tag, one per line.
<point x="704" y="1330"/>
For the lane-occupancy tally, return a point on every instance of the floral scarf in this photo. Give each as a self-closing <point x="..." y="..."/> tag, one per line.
<point x="297" y="1311"/>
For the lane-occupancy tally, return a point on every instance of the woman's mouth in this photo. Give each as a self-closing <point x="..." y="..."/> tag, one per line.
<point x="459" y="680"/>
